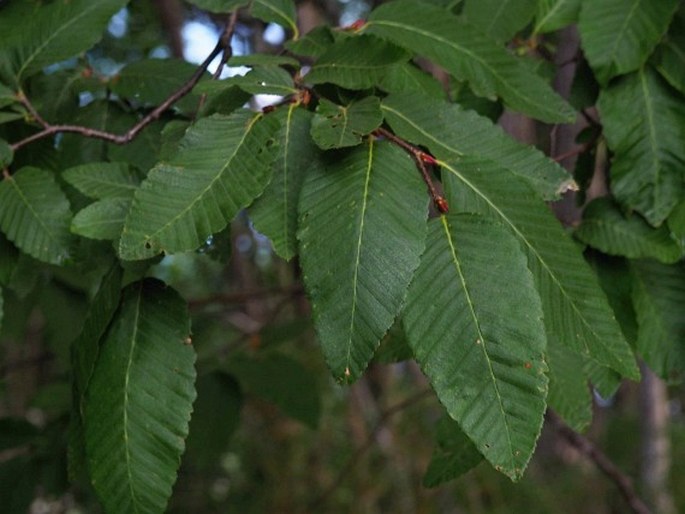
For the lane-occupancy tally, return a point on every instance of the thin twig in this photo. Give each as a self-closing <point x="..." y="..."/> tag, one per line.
<point x="357" y="455"/>
<point x="603" y="463"/>
<point x="223" y="45"/>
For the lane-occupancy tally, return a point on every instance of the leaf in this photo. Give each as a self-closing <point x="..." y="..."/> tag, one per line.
<point x="7" y="96"/>
<point x="669" y="57"/>
<point x="356" y="62"/>
<point x="617" y="36"/>
<point x="103" y="179"/>
<point x="222" y="165"/>
<point x="454" y="455"/>
<point x="2" y="312"/>
<point x="338" y="126"/>
<point x="499" y="19"/>
<point x="362" y="223"/>
<point x="313" y="44"/>
<point x="659" y="296"/>
<point x="454" y="133"/>
<point x="277" y="11"/>
<point x="56" y="32"/>
<point x="569" y="391"/>
<point x="281" y="380"/>
<point x="676" y="222"/>
<point x="139" y="401"/>
<point x="553" y="15"/>
<point x="267" y="80"/>
<point x="467" y="54"/>
<point x="35" y="215"/>
<point x="648" y="141"/>
<point x="274" y="213"/>
<point x="219" y="6"/>
<point x="481" y="344"/>
<point x="103" y="219"/>
<point x="407" y="78"/>
<point x="605" y="228"/>
<point x="216" y="416"/>
<point x="151" y="81"/>
<point x="6" y="154"/>
<point x="394" y="346"/>
<point x="263" y="60"/>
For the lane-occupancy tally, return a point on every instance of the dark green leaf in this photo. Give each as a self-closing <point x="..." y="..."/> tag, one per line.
<point x="274" y="213"/>
<point x="669" y="57"/>
<point x="269" y="80"/>
<point x="407" y="78"/>
<point x="500" y="19"/>
<point x="6" y="153"/>
<point x="35" y="215"/>
<point x="356" y="62"/>
<point x="281" y="380"/>
<point x="263" y="60"/>
<point x="139" y="401"/>
<point x="452" y="133"/>
<point x="467" y="54"/>
<point x="223" y="164"/>
<point x="454" y="455"/>
<point x="277" y="11"/>
<point x="103" y="219"/>
<point x="362" y="215"/>
<point x="394" y="346"/>
<point x="56" y="32"/>
<point x="7" y="96"/>
<point x="103" y="179"/>
<point x="659" y="296"/>
<point x="151" y="81"/>
<point x="553" y="15"/>
<point x="618" y="35"/>
<point x="338" y="126"/>
<point x="648" y="141"/>
<point x="216" y="415"/>
<point x="312" y="44"/>
<point x="569" y="391"/>
<point x="480" y="344"/>
<point x="219" y="6"/>
<point x="605" y="228"/>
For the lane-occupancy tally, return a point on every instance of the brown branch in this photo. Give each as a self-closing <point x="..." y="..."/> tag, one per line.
<point x="361" y="450"/>
<point x="603" y="463"/>
<point x="222" y="46"/>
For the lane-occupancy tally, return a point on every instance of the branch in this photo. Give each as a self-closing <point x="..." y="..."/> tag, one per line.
<point x="222" y="46"/>
<point x="603" y="463"/>
<point x="356" y="456"/>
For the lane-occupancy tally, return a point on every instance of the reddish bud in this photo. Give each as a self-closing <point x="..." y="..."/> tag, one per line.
<point x="441" y="205"/>
<point x="357" y="25"/>
<point x="86" y="73"/>
<point x="427" y="158"/>
<point x="268" y="108"/>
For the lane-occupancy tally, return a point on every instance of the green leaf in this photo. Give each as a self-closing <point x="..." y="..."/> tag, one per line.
<point x="362" y="215"/>
<point x="103" y="179"/>
<point x="216" y="416"/>
<point x="569" y="391"/>
<point x="281" y="380"/>
<point x="151" y="81"/>
<point x="219" y="6"/>
<point x="618" y="35"/>
<point x="139" y="401"/>
<point x="103" y="219"/>
<point x="605" y="228"/>
<point x="659" y="296"/>
<point x="669" y="58"/>
<point x="224" y="162"/>
<point x="481" y="344"/>
<point x="338" y="126"/>
<point x="1" y="309"/>
<point x="356" y="62"/>
<point x="553" y="15"/>
<point x="648" y="141"/>
<point x="467" y="54"/>
<point x="7" y="96"/>
<point x="263" y="60"/>
<point x="268" y="80"/>
<point x="56" y="32"/>
<point x="312" y="44"/>
<point x="454" y="133"/>
<point x="274" y="213"/>
<point x="499" y="19"/>
<point x="407" y="78"/>
<point x="6" y="154"/>
<point x="454" y="455"/>
<point x="277" y="11"/>
<point x="35" y="215"/>
<point x="676" y="222"/>
<point x="394" y="347"/>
